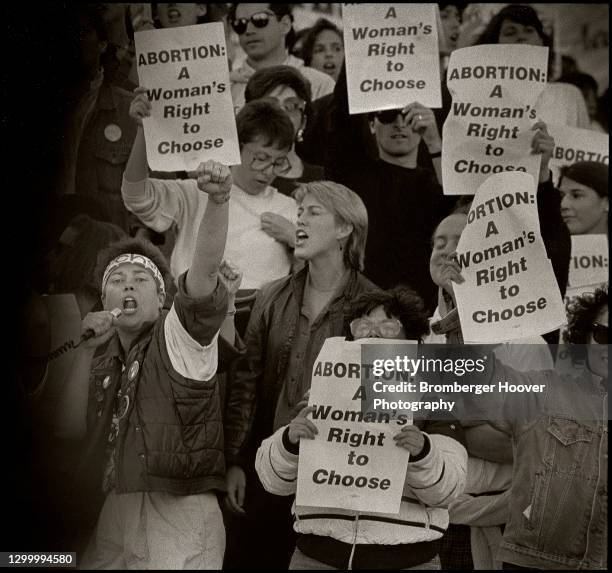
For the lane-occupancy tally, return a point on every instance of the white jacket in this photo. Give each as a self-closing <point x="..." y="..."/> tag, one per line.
<point x="432" y="483"/>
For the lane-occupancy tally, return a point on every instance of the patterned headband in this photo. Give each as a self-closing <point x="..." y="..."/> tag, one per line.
<point x="135" y="259"/>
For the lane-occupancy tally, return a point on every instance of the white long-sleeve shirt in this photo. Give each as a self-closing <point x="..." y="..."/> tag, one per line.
<point x="159" y="203"/>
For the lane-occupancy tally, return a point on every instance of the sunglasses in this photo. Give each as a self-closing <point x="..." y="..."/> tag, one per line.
<point x="600" y="333"/>
<point x="363" y="327"/>
<point x="388" y="116"/>
<point x="259" y="20"/>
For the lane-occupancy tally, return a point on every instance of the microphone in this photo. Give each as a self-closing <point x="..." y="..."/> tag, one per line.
<point x="90" y="332"/>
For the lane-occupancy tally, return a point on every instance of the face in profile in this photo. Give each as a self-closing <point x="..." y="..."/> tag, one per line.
<point x="445" y="240"/>
<point x="582" y="209"/>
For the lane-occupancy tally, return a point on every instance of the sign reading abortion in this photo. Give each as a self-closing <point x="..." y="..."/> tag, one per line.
<point x="392" y="56"/>
<point x="573" y="145"/>
<point x="186" y="73"/>
<point x="353" y="462"/>
<point x="488" y="129"/>
<point x="589" y="263"/>
<point x="510" y="290"/>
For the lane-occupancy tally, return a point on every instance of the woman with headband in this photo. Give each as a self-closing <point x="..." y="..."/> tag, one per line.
<point x="143" y="393"/>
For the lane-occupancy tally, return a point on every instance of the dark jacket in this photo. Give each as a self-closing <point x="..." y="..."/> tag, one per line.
<point x="254" y="393"/>
<point x="171" y="436"/>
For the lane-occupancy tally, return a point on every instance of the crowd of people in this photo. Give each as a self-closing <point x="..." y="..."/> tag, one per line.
<point x="169" y="437"/>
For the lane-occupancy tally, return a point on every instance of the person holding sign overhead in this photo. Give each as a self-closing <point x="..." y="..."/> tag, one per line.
<point x="584" y="197"/>
<point x="261" y="233"/>
<point x="331" y="538"/>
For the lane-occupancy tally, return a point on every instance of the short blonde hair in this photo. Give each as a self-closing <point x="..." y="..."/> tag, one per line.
<point x="348" y="208"/>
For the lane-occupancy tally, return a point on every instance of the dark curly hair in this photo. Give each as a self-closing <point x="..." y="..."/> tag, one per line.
<point x="134" y="246"/>
<point x="400" y="302"/>
<point x="582" y="312"/>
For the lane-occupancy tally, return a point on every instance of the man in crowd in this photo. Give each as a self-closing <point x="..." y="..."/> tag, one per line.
<point x="263" y="30"/>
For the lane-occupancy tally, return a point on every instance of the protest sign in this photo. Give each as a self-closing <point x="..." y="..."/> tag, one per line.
<point x="392" y="56"/>
<point x="589" y="262"/>
<point x="510" y="290"/>
<point x="488" y="129"/>
<point x="353" y="462"/>
<point x="573" y="145"/>
<point x="185" y="71"/>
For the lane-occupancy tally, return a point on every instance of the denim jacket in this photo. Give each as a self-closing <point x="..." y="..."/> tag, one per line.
<point x="559" y="497"/>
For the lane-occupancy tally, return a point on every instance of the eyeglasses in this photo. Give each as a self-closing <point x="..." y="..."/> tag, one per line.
<point x="259" y="20"/>
<point x="600" y="333"/>
<point x="280" y="165"/>
<point x="363" y="327"/>
<point x="388" y="116"/>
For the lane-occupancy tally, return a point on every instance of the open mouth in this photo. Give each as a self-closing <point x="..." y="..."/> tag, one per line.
<point x="454" y="37"/>
<point x="300" y="237"/>
<point x="130" y="306"/>
<point x="329" y="67"/>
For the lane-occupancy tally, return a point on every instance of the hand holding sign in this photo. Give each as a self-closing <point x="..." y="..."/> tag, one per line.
<point x="412" y="439"/>
<point x="301" y="427"/>
<point x="542" y="143"/>
<point x="140" y="106"/>
<point x="215" y="179"/>
<point x="450" y="272"/>
<point x="422" y="121"/>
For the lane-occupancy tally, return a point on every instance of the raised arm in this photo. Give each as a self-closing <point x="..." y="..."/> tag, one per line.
<point x="214" y="179"/>
<point x="137" y="167"/>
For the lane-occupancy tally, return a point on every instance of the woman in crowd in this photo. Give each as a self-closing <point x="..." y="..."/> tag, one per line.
<point x="291" y="90"/>
<point x="291" y="319"/>
<point x="323" y="48"/>
<point x="558" y="103"/>
<point x="341" y="539"/>
<point x="584" y="192"/>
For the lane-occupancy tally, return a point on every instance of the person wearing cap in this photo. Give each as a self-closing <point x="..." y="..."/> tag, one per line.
<point x="143" y="393"/>
<point x="584" y="197"/>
